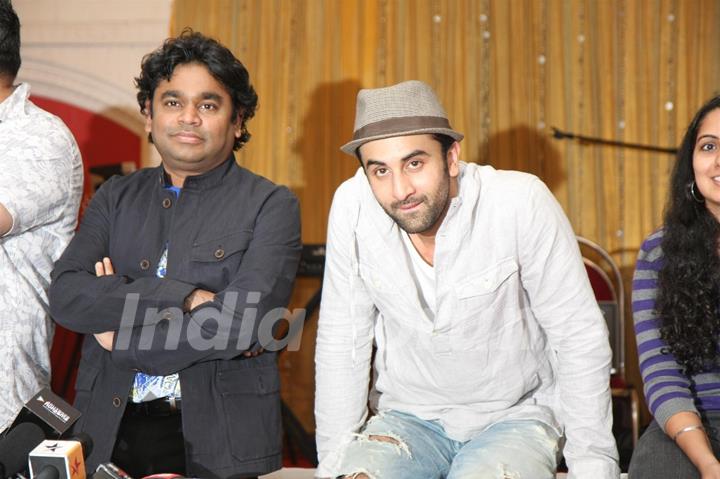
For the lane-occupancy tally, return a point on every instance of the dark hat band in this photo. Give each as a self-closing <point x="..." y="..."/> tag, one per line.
<point x="399" y="125"/>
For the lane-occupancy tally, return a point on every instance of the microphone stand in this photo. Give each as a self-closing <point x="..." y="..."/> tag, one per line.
<point x="563" y="135"/>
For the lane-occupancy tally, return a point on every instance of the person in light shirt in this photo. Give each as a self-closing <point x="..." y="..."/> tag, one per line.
<point x="491" y="349"/>
<point x="41" y="178"/>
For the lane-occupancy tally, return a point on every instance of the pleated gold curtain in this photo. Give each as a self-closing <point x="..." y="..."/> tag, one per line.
<point x="507" y="72"/>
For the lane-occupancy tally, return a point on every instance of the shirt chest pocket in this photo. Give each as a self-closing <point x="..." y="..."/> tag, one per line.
<point x="378" y="284"/>
<point x="493" y="288"/>
<point x="216" y="261"/>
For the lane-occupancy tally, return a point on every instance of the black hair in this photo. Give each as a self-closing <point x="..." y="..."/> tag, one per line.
<point x="689" y="280"/>
<point x="9" y="40"/>
<point x="446" y="142"/>
<point x="194" y="47"/>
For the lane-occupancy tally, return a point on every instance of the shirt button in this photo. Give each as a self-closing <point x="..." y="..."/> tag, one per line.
<point x="117" y="402"/>
<point x="219" y="253"/>
<point x="167" y="315"/>
<point x="166" y="203"/>
<point x="144" y="264"/>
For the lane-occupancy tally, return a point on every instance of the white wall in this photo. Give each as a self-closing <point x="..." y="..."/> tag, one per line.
<point x="87" y="52"/>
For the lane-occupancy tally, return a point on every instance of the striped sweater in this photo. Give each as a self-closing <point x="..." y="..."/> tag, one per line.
<point x="667" y="390"/>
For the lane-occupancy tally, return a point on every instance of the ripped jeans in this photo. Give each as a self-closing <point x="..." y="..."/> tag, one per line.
<point x="395" y="445"/>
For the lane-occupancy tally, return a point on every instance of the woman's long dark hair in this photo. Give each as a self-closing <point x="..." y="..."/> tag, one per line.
<point x="689" y="281"/>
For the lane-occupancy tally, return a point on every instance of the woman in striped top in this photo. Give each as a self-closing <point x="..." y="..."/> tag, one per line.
<point x="676" y="309"/>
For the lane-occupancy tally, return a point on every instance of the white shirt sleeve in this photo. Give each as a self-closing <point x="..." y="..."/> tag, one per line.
<point x="562" y="300"/>
<point x="344" y="339"/>
<point x="36" y="185"/>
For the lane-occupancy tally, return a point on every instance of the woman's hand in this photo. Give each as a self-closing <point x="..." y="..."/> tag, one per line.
<point x="711" y="471"/>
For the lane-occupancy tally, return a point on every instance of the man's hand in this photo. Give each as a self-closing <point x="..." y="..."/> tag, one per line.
<point x="105" y="268"/>
<point x="106" y="340"/>
<point x="196" y="298"/>
<point x="6" y="221"/>
<point x="252" y="354"/>
<point x="201" y="296"/>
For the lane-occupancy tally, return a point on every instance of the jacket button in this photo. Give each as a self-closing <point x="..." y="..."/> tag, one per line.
<point x="144" y="264"/>
<point x="219" y="253"/>
<point x="117" y="402"/>
<point x="167" y="203"/>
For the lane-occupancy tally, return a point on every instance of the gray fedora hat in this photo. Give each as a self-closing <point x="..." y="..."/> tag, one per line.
<point x="408" y="108"/>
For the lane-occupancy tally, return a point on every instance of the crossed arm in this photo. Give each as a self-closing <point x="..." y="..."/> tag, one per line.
<point x="196" y="298"/>
<point x="85" y="303"/>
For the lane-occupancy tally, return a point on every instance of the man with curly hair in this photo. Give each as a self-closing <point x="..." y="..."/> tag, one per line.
<point x="40" y="190"/>
<point x="170" y="275"/>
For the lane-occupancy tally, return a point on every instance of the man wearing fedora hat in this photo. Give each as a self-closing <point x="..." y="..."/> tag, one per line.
<point x="490" y="348"/>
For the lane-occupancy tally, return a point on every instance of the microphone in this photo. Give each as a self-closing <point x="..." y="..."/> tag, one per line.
<point x="48" y="472"/>
<point x="16" y="445"/>
<point x="110" y="471"/>
<point x="53" y="459"/>
<point x="49" y="411"/>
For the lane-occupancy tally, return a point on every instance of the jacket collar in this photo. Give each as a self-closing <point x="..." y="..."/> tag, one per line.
<point x="207" y="180"/>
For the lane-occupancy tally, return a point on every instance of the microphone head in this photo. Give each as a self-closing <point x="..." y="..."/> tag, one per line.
<point x="109" y="470"/>
<point x="85" y="441"/>
<point x="64" y="456"/>
<point x="17" y="444"/>
<point x="50" y="412"/>
<point x="48" y="472"/>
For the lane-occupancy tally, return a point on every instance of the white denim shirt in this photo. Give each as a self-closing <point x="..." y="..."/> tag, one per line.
<point x="41" y="178"/>
<point x="516" y="332"/>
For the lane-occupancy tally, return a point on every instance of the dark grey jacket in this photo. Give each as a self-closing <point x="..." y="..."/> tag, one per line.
<point x="230" y="232"/>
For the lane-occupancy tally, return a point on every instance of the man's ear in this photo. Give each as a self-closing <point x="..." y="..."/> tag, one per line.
<point x="147" y="111"/>
<point x="238" y="125"/>
<point x="453" y="160"/>
<point x="358" y="155"/>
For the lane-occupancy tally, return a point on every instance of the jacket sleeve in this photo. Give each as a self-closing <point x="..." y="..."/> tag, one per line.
<point x="242" y="315"/>
<point x="87" y="304"/>
<point x="344" y="339"/>
<point x="562" y="300"/>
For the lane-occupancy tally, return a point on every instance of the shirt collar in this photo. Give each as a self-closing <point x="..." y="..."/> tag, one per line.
<point x="463" y="182"/>
<point x="14" y="105"/>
